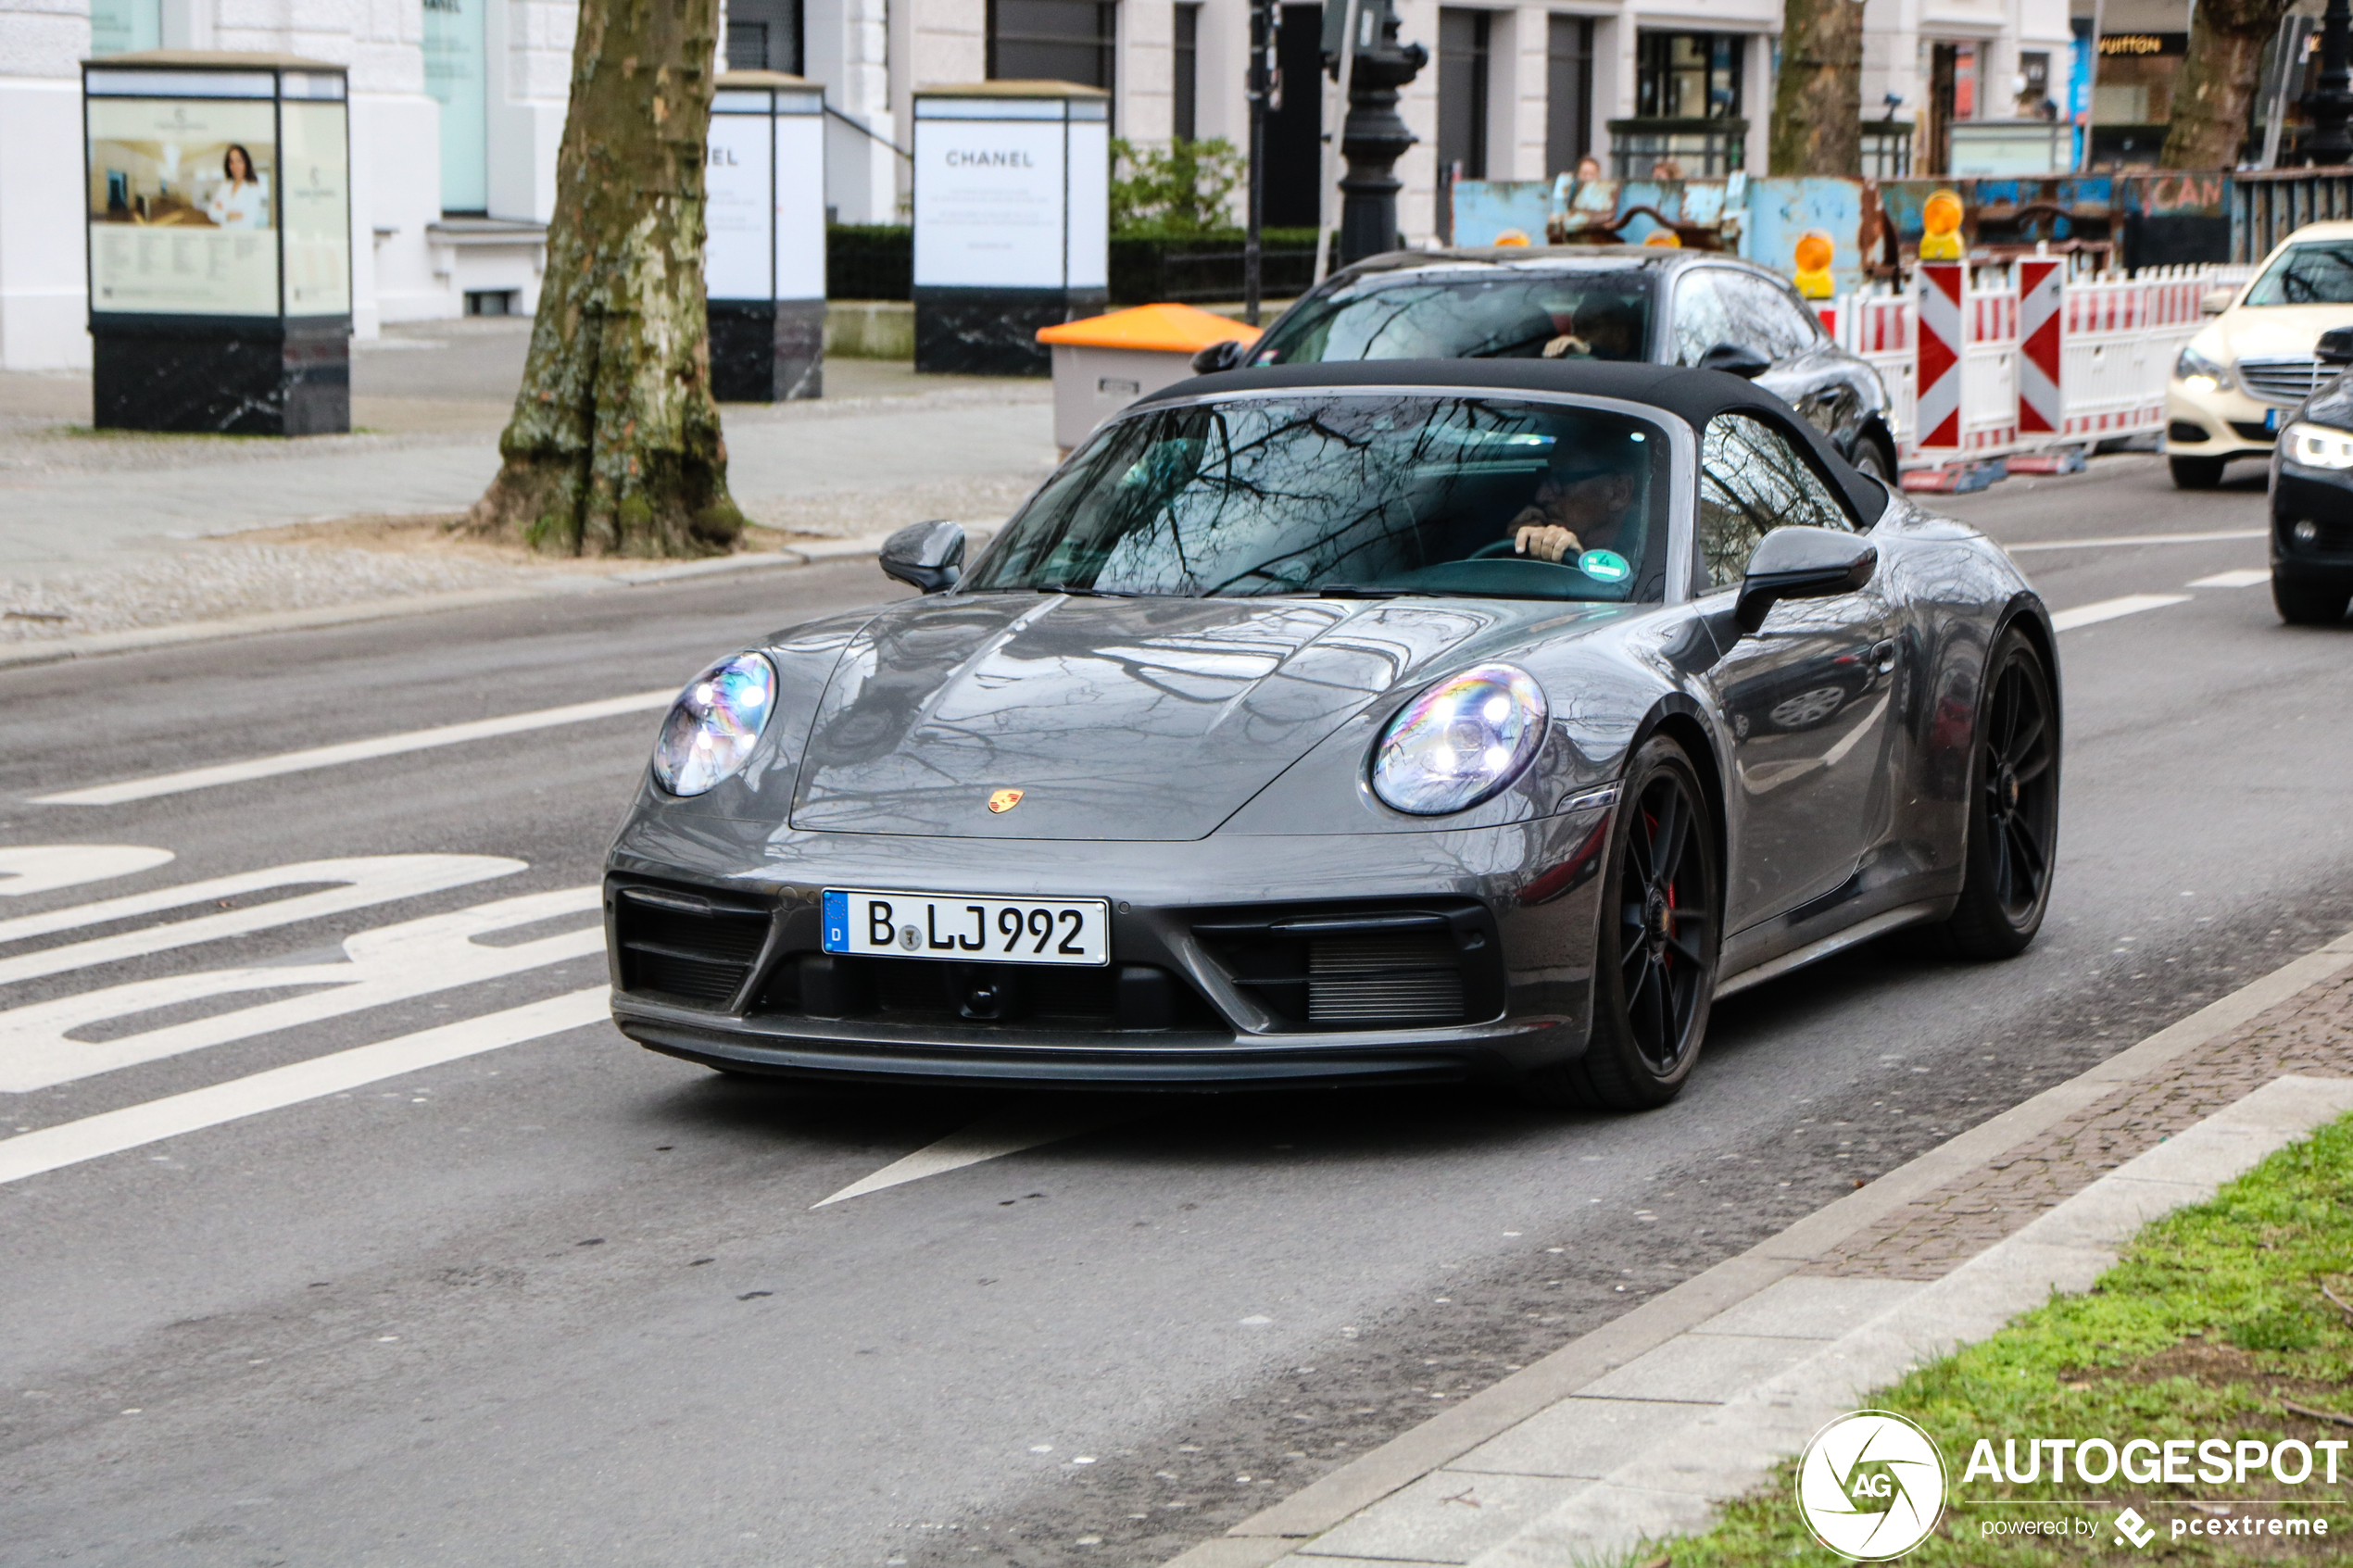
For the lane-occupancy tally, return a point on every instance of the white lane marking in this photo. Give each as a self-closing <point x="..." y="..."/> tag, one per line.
<point x="356" y="751"/>
<point x="389" y="964"/>
<point x="70" y="1143"/>
<point x="989" y="1139"/>
<point x="365" y="880"/>
<point x="2245" y="577"/>
<point x="2121" y="539"/>
<point x="2109" y="610"/>
<point x="42" y="867"/>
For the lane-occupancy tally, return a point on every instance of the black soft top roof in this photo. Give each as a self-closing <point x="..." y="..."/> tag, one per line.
<point x="1695" y="396"/>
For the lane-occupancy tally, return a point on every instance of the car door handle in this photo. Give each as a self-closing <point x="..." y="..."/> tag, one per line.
<point x="1883" y="655"/>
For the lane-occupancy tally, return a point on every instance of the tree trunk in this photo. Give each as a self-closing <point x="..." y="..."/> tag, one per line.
<point x="614" y="447"/>
<point x="1817" y="101"/>
<point x="2218" y="82"/>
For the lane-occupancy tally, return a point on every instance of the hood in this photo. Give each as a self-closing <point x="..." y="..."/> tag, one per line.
<point x="1116" y="718"/>
<point x="2271" y="331"/>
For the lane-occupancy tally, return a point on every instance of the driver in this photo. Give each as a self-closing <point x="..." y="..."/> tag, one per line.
<point x="1605" y="327"/>
<point x="1576" y="509"/>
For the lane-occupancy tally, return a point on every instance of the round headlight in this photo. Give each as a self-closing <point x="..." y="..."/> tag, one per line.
<point x="1460" y="742"/>
<point x="714" y="723"/>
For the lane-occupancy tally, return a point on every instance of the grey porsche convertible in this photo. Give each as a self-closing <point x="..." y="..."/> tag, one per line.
<point x="1409" y="722"/>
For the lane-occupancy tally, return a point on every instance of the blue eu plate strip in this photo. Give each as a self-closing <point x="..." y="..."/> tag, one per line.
<point x="836" y="922"/>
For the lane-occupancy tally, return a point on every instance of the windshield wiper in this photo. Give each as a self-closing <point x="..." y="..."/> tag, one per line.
<point x="1355" y="590"/>
<point x="1081" y="593"/>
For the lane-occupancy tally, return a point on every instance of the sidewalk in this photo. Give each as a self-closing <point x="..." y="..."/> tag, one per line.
<point x="1637" y="1431"/>
<point x="105" y="533"/>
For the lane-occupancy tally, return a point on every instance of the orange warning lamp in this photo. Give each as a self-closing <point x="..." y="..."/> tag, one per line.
<point x="1941" y="223"/>
<point x="1512" y="237"/>
<point x="1665" y="239"/>
<point x="1814" y="251"/>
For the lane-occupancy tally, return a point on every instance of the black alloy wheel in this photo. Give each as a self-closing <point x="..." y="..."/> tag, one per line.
<point x="2305" y="603"/>
<point x="1656" y="949"/>
<point x="2013" y="809"/>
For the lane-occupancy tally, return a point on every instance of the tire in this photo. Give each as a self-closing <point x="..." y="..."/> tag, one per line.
<point x="1654" y="950"/>
<point x="2013" y="808"/>
<point x="2307" y="604"/>
<point x="1870" y="459"/>
<point x="2195" y="473"/>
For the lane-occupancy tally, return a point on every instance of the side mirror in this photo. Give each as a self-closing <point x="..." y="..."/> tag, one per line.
<point x="1228" y="354"/>
<point x="2213" y="302"/>
<point x="1801" y="563"/>
<point x="1736" y="358"/>
<point x="2335" y="347"/>
<point x="927" y="556"/>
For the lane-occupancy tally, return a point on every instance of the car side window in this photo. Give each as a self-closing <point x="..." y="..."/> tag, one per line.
<point x="1701" y="321"/>
<point x="1765" y="317"/>
<point x="1752" y="480"/>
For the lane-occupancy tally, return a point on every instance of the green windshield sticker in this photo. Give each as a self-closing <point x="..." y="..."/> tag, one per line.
<point x="1604" y="566"/>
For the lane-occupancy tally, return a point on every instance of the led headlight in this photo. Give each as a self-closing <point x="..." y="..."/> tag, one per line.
<point x="2201" y="373"/>
<point x="1460" y="742"/>
<point x="714" y="723"/>
<point x="2316" y="446"/>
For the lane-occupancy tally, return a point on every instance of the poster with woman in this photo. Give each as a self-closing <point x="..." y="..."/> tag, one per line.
<point x="182" y="205"/>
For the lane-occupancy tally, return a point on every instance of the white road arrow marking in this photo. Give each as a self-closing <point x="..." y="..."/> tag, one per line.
<point x="356" y="884"/>
<point x="356" y="751"/>
<point x="44" y="868"/>
<point x="989" y="1139"/>
<point x="2109" y="610"/>
<point x="389" y="964"/>
<point x="70" y="1143"/>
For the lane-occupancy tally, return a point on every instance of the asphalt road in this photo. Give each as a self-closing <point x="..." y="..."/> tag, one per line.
<point x="569" y="1301"/>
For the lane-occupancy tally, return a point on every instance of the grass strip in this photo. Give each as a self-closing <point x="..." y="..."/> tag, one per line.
<point x="2228" y="1319"/>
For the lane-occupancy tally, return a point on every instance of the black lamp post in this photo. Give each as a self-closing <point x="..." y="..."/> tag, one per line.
<point x="1374" y="137"/>
<point x="2331" y="101"/>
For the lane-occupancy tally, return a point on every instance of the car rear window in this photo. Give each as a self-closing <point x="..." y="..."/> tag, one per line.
<point x="1577" y="315"/>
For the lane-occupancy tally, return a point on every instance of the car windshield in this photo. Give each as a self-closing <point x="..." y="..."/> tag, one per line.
<point x="2308" y="274"/>
<point x="1575" y="315"/>
<point x="1372" y="495"/>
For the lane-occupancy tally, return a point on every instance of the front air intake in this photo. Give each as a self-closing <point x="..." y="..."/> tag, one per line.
<point x="1404" y="979"/>
<point x="684" y="947"/>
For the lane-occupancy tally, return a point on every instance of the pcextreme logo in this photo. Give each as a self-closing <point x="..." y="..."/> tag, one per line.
<point x="1871" y="1485"/>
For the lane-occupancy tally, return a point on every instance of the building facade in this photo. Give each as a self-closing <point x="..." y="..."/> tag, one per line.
<point x="457" y="107"/>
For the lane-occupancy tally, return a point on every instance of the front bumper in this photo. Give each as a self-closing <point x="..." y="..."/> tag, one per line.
<point x="2321" y="498"/>
<point x="2218" y="424"/>
<point x="1204" y="938"/>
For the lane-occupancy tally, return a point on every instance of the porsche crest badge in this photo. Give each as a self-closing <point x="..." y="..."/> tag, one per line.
<point x="1004" y="800"/>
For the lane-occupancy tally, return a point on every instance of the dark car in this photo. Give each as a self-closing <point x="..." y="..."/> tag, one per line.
<point x="1415" y="721"/>
<point x="1660" y="306"/>
<point x="2312" y="497"/>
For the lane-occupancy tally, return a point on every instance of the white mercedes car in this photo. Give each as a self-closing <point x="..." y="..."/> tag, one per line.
<point x="2239" y="378"/>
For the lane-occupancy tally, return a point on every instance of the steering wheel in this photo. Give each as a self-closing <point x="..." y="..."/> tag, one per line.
<point x="1500" y="549"/>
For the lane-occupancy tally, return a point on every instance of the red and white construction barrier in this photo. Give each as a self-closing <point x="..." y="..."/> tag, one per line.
<point x="2040" y="291"/>
<point x="1938" y="352"/>
<point x="1988" y="363"/>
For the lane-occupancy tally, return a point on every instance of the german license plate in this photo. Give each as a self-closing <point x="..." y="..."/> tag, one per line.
<point x="955" y="925"/>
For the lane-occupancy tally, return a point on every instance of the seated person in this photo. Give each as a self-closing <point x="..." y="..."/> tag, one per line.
<point x="1605" y="327"/>
<point x="1580" y="505"/>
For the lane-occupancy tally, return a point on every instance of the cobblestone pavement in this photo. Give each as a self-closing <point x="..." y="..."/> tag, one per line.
<point x="2310" y="1033"/>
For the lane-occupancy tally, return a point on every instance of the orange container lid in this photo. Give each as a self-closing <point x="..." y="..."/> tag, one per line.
<point x="1170" y="328"/>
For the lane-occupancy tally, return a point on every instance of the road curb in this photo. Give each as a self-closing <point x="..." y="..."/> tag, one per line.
<point x="96" y="644"/>
<point x="1326" y="1502"/>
